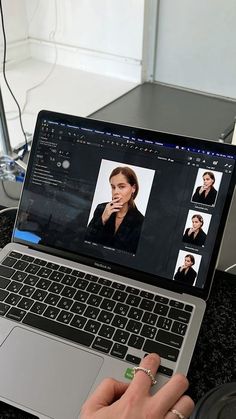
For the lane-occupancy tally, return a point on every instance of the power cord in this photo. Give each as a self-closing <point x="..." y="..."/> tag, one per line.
<point x="5" y="78"/>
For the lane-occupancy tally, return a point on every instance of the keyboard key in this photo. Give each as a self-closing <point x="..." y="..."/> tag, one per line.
<point x="119" y="350"/>
<point x="32" y="269"/>
<point x="147" y="305"/>
<point x="149" y="318"/>
<point x="106" y="292"/>
<point x="94" y="288"/>
<point x="119" y="296"/>
<point x="9" y="261"/>
<point x="119" y="321"/>
<point x="3" y="308"/>
<point x="121" y="336"/>
<point x="51" y="312"/>
<point x="21" y="265"/>
<point x="27" y="258"/>
<point x="65" y="303"/>
<point x="81" y="283"/>
<point x="68" y="280"/>
<point x="16" y="314"/>
<point x="176" y="304"/>
<point x="4" y="282"/>
<point x="31" y="279"/>
<point x="121" y="309"/>
<point x="132" y="290"/>
<point x="161" y="309"/>
<point x="135" y="313"/>
<point x="179" y="328"/>
<point x="90" y="277"/>
<point x="65" y="317"/>
<point x="105" y="281"/>
<point x="169" y="338"/>
<point x="133" y="300"/>
<point x="164" y="351"/>
<point x="78" y="307"/>
<point x="40" y="262"/>
<point x="44" y="272"/>
<point x="12" y="299"/>
<point x="25" y="303"/>
<point x="108" y="304"/>
<point x="136" y="341"/>
<point x="180" y="315"/>
<point x="147" y="295"/>
<point x="188" y="308"/>
<point x="52" y="265"/>
<point x="56" y="276"/>
<point x="65" y="269"/>
<point x="52" y="299"/>
<point x="6" y="272"/>
<point x="94" y="300"/>
<point x="78" y="322"/>
<point x="16" y="255"/>
<point x="3" y="294"/>
<point x="14" y="286"/>
<point x="92" y="326"/>
<point x="19" y="276"/>
<point x="133" y="326"/>
<point x="106" y="331"/>
<point x="68" y="292"/>
<point x="81" y="296"/>
<point x="101" y="344"/>
<point x="105" y="317"/>
<point x="27" y="291"/>
<point x="91" y="312"/>
<point x="39" y="295"/>
<point x="118" y="286"/>
<point x="133" y="359"/>
<point x="78" y="274"/>
<point x="161" y="299"/>
<point x="164" y="323"/>
<point x="59" y="329"/>
<point x="38" y="308"/>
<point x="148" y="331"/>
<point x="43" y="284"/>
<point x="55" y="288"/>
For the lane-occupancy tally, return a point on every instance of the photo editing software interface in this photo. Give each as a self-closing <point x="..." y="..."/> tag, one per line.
<point x="133" y="202"/>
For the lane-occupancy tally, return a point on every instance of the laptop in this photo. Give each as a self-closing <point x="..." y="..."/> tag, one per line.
<point x="112" y="257"/>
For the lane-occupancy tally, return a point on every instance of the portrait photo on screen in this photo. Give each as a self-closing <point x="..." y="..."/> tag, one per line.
<point x="206" y="187"/>
<point x="187" y="267"/>
<point x="196" y="228"/>
<point x="119" y="205"/>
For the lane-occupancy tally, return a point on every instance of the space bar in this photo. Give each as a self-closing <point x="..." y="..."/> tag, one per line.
<point x="58" y="329"/>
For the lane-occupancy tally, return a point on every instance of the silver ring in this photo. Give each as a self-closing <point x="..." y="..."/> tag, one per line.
<point x="148" y="372"/>
<point x="177" y="413"/>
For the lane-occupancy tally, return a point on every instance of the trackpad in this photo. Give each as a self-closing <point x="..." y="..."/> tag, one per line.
<point x="47" y="376"/>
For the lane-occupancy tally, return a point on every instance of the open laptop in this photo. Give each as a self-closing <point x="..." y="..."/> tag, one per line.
<point x="80" y="301"/>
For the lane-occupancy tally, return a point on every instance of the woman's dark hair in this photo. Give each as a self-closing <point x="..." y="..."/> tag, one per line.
<point x="199" y="217"/>
<point x="211" y="174"/>
<point x="131" y="177"/>
<point x="191" y="257"/>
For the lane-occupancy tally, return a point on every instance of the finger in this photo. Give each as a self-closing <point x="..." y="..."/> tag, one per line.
<point x="141" y="382"/>
<point x="106" y="393"/>
<point x="170" y="393"/>
<point x="184" y="406"/>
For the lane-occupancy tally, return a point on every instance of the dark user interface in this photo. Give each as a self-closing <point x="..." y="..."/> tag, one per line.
<point x="173" y="196"/>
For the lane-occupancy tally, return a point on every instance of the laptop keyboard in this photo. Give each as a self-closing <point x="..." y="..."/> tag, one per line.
<point x="119" y="320"/>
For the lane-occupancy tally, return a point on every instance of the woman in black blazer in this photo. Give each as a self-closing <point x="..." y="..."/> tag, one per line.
<point x="206" y="194"/>
<point x="117" y="224"/>
<point x="195" y="235"/>
<point x="186" y="273"/>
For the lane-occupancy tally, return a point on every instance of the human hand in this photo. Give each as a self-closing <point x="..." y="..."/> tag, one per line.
<point x="113" y="206"/>
<point x="116" y="400"/>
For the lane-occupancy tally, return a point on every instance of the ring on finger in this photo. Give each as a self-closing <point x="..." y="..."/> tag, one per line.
<point x="177" y="413"/>
<point x="147" y="371"/>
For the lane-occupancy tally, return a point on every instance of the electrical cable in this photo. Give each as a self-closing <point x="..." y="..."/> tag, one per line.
<point x="52" y="39"/>
<point x="5" y="78"/>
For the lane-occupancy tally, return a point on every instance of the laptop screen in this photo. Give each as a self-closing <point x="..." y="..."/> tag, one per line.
<point x="147" y="204"/>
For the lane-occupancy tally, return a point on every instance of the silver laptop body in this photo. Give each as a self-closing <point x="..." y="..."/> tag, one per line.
<point x="78" y="303"/>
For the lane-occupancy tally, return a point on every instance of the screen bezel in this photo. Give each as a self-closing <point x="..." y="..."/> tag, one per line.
<point x="137" y="132"/>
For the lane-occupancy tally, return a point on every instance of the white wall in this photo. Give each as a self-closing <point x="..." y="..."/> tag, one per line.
<point x="196" y="45"/>
<point x="103" y="36"/>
